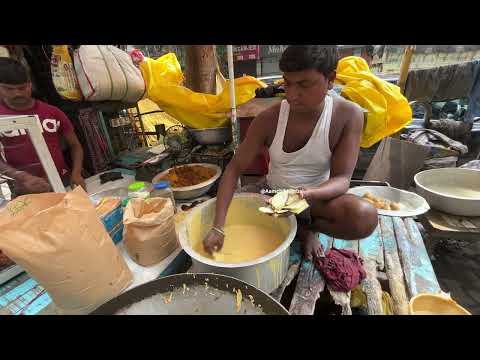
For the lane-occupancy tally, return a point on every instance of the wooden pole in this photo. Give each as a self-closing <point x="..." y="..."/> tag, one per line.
<point x="201" y="68"/>
<point x="405" y="66"/>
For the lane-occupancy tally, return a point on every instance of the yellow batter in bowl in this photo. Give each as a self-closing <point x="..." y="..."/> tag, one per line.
<point x="249" y="234"/>
<point x="244" y="242"/>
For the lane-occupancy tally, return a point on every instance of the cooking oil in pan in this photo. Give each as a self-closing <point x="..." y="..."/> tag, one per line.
<point x="197" y="300"/>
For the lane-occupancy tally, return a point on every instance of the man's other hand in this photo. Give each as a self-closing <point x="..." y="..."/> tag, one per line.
<point x="29" y="184"/>
<point x="78" y="180"/>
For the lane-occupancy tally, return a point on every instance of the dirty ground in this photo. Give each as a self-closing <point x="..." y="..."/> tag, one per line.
<point x="456" y="265"/>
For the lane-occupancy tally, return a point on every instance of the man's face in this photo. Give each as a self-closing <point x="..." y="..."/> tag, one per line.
<point x="305" y="90"/>
<point x="16" y="95"/>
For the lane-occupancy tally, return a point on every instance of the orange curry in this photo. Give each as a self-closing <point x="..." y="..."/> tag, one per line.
<point x="181" y="176"/>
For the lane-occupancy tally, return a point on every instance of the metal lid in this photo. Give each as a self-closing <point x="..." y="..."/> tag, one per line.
<point x="161" y="185"/>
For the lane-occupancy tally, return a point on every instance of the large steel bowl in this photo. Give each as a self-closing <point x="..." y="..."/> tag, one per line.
<point x="267" y="272"/>
<point x="194" y="191"/>
<point x="452" y="190"/>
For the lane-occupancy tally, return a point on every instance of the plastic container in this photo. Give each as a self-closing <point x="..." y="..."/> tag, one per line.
<point x="138" y="190"/>
<point x="435" y="304"/>
<point x="162" y="189"/>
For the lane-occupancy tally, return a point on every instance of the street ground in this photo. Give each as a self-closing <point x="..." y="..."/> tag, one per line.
<point x="457" y="266"/>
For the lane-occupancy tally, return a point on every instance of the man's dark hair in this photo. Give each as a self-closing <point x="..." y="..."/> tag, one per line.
<point x="12" y="72"/>
<point x="323" y="58"/>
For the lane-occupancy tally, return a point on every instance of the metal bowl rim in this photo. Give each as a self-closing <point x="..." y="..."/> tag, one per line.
<point x="198" y="186"/>
<point x="194" y="275"/>
<point x="417" y="183"/>
<point x="210" y="129"/>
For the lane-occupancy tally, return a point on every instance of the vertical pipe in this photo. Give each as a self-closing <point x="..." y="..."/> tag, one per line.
<point x="233" y="107"/>
<point x="235" y="128"/>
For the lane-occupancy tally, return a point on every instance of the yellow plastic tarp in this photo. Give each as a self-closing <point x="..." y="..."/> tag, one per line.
<point x="388" y="109"/>
<point x="164" y="78"/>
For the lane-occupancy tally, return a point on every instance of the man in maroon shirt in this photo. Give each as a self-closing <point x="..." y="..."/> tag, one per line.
<point x="23" y="163"/>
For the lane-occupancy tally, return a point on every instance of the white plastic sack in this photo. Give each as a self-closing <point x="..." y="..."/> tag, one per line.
<point x="105" y="72"/>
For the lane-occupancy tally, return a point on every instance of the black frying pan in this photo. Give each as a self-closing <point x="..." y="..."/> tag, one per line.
<point x="168" y="284"/>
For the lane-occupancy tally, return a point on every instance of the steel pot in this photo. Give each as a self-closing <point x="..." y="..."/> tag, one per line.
<point x="265" y="273"/>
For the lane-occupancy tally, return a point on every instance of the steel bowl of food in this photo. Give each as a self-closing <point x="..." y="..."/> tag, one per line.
<point x="452" y="190"/>
<point x="190" y="181"/>
<point x="391" y="201"/>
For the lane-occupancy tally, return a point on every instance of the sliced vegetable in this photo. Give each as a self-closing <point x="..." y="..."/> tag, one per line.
<point x="266" y="210"/>
<point x="279" y="200"/>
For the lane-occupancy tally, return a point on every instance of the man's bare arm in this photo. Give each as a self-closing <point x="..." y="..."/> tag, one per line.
<point x="344" y="159"/>
<point x="7" y="170"/>
<point x="246" y="152"/>
<point x="248" y="149"/>
<point x="76" y="152"/>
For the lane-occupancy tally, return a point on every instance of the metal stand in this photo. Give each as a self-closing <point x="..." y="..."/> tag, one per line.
<point x="30" y="125"/>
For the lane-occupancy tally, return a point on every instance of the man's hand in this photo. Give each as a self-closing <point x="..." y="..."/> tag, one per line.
<point x="77" y="180"/>
<point x="213" y="242"/>
<point x="305" y="194"/>
<point x="273" y="214"/>
<point x="29" y="184"/>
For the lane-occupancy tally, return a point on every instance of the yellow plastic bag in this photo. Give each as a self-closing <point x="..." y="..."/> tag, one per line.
<point x="163" y="77"/>
<point x="387" y="303"/>
<point x="388" y="109"/>
<point x="358" y="299"/>
<point x="63" y="74"/>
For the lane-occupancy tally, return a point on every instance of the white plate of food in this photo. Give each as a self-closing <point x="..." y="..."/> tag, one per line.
<point x="390" y="201"/>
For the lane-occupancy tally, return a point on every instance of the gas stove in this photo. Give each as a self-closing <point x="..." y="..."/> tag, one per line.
<point x="212" y="154"/>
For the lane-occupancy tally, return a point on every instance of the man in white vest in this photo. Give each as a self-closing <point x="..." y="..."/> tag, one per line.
<point x="313" y="141"/>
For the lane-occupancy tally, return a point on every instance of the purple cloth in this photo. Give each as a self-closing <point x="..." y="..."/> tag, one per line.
<point x="342" y="269"/>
